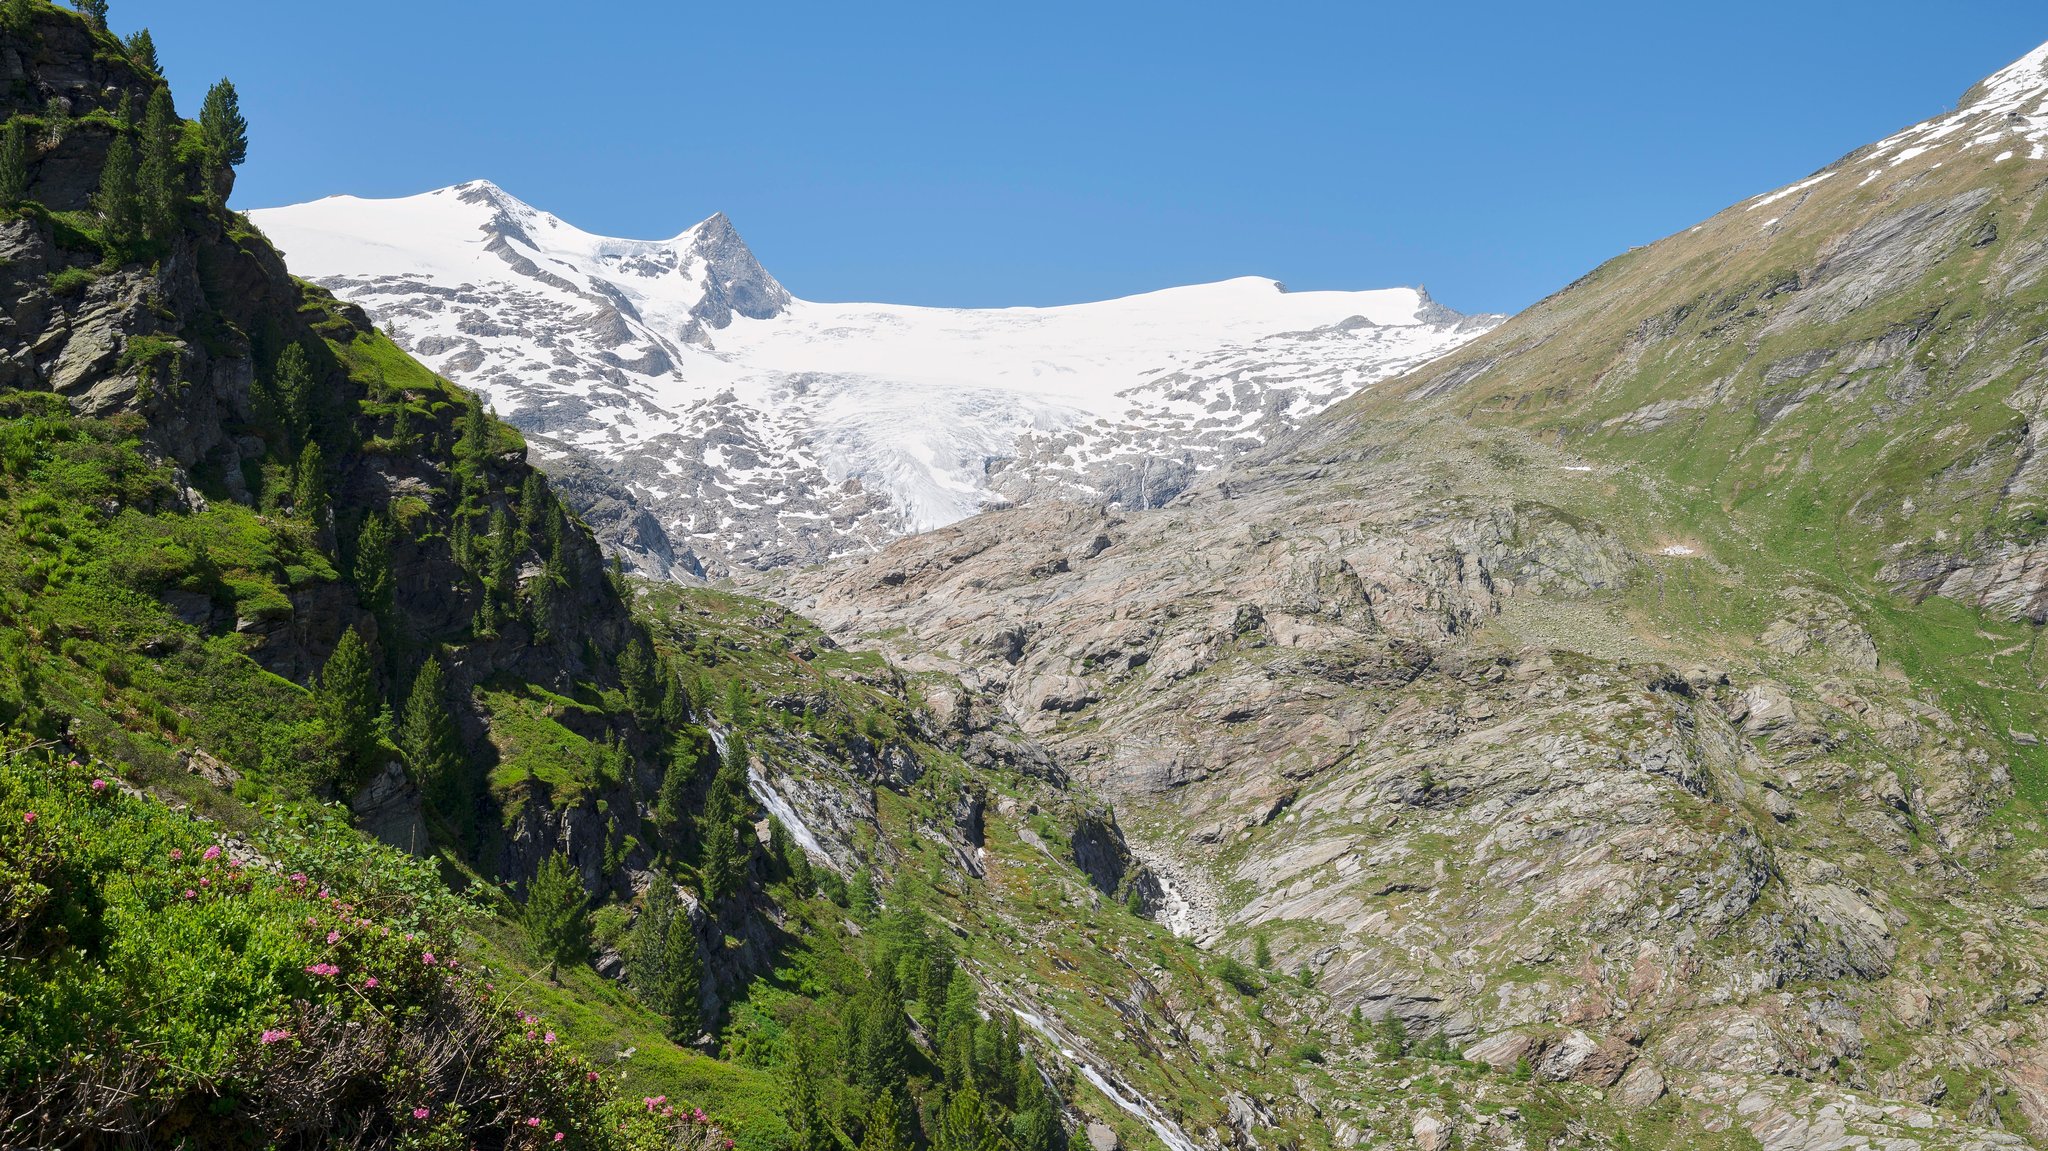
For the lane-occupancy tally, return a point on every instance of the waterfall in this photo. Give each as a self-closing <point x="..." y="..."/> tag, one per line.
<point x="777" y="804"/>
<point x="1132" y="1103"/>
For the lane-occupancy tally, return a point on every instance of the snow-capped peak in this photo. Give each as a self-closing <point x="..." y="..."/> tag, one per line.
<point x="764" y="429"/>
<point x="2005" y="114"/>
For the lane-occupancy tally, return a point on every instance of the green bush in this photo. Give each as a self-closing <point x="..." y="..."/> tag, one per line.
<point x="154" y="975"/>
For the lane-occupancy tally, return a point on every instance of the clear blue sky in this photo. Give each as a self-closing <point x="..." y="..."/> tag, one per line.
<point x="978" y="154"/>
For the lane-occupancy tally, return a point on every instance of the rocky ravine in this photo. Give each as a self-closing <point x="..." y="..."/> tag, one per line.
<point x="1529" y="699"/>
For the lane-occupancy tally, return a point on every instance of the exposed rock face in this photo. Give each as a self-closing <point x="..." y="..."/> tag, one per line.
<point x="1568" y="697"/>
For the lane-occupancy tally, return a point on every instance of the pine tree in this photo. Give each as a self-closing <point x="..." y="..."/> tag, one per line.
<point x="739" y="709"/>
<point x="291" y="393"/>
<point x="888" y="1127"/>
<point x="808" y="1130"/>
<point x="158" y="178"/>
<point x="723" y="822"/>
<point x="664" y="965"/>
<point x="119" y="201"/>
<point x="225" y="135"/>
<point x="555" y="913"/>
<point x="309" y="485"/>
<point x="94" y="11"/>
<point x="372" y="567"/>
<point x="1262" y="953"/>
<point x="682" y="978"/>
<point x="347" y="703"/>
<point x="880" y="1059"/>
<point x="1393" y="1037"/>
<point x="1034" y="1124"/>
<point x="13" y="163"/>
<point x="426" y="733"/>
<point x="142" y="50"/>
<point x="401" y="426"/>
<point x="964" y="1125"/>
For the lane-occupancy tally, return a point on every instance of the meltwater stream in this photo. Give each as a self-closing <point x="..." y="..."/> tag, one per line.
<point x="1134" y="1104"/>
<point x="777" y="804"/>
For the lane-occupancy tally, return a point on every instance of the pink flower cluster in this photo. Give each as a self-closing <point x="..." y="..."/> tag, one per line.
<point x="322" y="969"/>
<point x="270" y="1037"/>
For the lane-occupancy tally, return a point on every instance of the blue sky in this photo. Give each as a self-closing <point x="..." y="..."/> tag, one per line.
<point x="983" y="154"/>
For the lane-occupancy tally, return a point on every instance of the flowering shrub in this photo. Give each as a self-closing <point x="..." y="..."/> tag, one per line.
<point x="155" y="981"/>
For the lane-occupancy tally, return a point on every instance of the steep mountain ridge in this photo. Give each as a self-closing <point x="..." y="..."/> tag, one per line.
<point x="757" y="430"/>
<point x="1642" y="694"/>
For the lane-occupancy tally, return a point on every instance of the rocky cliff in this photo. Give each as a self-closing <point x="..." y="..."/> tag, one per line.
<point x="1642" y="697"/>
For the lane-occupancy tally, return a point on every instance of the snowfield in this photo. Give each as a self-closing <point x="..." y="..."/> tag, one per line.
<point x="759" y="429"/>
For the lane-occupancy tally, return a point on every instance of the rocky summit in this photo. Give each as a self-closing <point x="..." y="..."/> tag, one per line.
<point x="707" y="422"/>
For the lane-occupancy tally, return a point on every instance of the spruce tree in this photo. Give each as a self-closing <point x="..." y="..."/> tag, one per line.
<point x="119" y="201"/>
<point x="1393" y="1037"/>
<point x="555" y="913"/>
<point x="158" y="178"/>
<point x="142" y="50"/>
<point x="682" y="978"/>
<point x="291" y="393"/>
<point x="888" y="1125"/>
<point x="94" y="11"/>
<point x="427" y="735"/>
<point x="309" y="485"/>
<point x="348" y="706"/>
<point x="723" y="822"/>
<point x="883" y="1054"/>
<point x="964" y="1125"/>
<point x="372" y="567"/>
<point x="13" y="163"/>
<point x="808" y="1130"/>
<point x="1034" y="1124"/>
<point x="225" y="135"/>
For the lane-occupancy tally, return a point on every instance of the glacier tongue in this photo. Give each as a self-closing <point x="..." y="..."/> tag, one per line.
<point x="691" y="391"/>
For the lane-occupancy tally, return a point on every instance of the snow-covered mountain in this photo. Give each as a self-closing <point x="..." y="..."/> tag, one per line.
<point x="708" y="420"/>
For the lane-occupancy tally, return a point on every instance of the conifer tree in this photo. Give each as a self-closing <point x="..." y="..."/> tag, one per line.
<point x="1034" y="1124"/>
<point x="426" y="733"/>
<point x="291" y="393"/>
<point x="664" y="965"/>
<point x="348" y="706"/>
<point x="808" y="1130"/>
<point x="119" y="200"/>
<point x="554" y="915"/>
<point x="883" y="1053"/>
<point x="13" y="163"/>
<point x="372" y="567"/>
<point x="503" y="576"/>
<point x="682" y="978"/>
<point x="225" y="135"/>
<point x="94" y="11"/>
<point x="739" y="710"/>
<point x="142" y="50"/>
<point x="1393" y="1037"/>
<point x="401" y="426"/>
<point x="888" y="1127"/>
<point x="309" y="486"/>
<point x="720" y="828"/>
<point x="158" y="177"/>
<point x="964" y="1125"/>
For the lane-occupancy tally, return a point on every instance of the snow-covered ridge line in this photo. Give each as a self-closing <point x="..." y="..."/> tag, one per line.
<point x="759" y="428"/>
